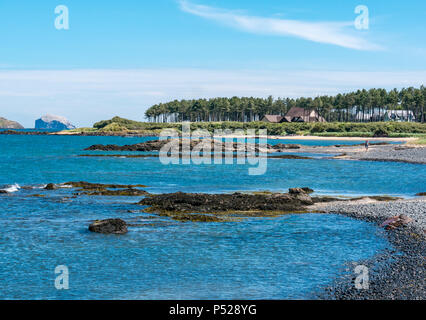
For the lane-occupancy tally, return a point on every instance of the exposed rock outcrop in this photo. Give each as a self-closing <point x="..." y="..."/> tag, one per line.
<point x="53" y="122"/>
<point x="8" y="124"/>
<point x="24" y="133"/>
<point x="254" y="204"/>
<point x="50" y="186"/>
<point x="281" y="146"/>
<point x="99" y="189"/>
<point x="109" y="226"/>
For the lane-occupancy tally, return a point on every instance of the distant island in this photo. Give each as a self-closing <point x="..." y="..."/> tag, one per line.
<point x="54" y="123"/>
<point x="9" y="124"/>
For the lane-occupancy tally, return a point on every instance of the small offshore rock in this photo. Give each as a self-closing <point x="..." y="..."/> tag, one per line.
<point x="51" y="186"/>
<point x="287" y="146"/>
<point x="296" y="190"/>
<point x="308" y="190"/>
<point x="109" y="226"/>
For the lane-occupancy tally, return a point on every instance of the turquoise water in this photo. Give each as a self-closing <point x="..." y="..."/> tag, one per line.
<point x="258" y="258"/>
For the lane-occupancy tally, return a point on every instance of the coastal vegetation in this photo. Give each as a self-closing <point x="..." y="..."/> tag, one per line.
<point x="359" y="106"/>
<point x="337" y="129"/>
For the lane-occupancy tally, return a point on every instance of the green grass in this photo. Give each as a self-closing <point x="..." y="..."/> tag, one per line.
<point x="421" y="140"/>
<point x="331" y="129"/>
<point x="344" y="134"/>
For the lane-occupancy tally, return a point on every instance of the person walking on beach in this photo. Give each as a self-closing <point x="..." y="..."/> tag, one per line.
<point x="367" y="144"/>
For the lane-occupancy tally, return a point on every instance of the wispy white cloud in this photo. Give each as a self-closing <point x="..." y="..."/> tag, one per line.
<point x="336" y="33"/>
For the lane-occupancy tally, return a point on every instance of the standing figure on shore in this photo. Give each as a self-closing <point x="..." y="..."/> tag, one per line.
<point x="367" y="144"/>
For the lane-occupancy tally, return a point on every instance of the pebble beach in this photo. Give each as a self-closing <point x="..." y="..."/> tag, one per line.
<point x="395" y="274"/>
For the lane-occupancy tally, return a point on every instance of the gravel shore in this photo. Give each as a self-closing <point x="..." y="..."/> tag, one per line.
<point x="394" y="153"/>
<point x="397" y="274"/>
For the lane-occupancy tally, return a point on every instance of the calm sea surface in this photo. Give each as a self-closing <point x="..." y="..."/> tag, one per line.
<point x="259" y="258"/>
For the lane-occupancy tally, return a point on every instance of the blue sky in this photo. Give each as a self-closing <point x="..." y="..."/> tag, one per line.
<point x="120" y="57"/>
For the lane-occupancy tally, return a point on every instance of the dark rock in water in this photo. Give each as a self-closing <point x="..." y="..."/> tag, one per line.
<point x="3" y="191"/>
<point x="308" y="190"/>
<point x="94" y="186"/>
<point x="24" y="133"/>
<point x="421" y="194"/>
<point x="395" y="222"/>
<point x="301" y="194"/>
<point x="51" y="186"/>
<point x="156" y="145"/>
<point x="120" y="192"/>
<point x="109" y="226"/>
<point x="8" y="124"/>
<point x="280" y="146"/>
<point x="145" y="146"/>
<point x="296" y="190"/>
<point x="236" y="202"/>
<point x="99" y="189"/>
<point x="53" y="122"/>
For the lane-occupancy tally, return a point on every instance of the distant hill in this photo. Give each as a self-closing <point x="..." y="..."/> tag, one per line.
<point x="8" y="124"/>
<point x="53" y="122"/>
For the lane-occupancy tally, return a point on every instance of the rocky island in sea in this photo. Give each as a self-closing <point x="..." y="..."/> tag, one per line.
<point x="53" y="122"/>
<point x="9" y="124"/>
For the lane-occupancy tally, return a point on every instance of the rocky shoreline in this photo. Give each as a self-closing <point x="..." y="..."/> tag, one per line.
<point x="397" y="274"/>
<point x="380" y="151"/>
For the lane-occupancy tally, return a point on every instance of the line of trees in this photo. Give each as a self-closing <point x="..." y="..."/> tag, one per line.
<point x="360" y="106"/>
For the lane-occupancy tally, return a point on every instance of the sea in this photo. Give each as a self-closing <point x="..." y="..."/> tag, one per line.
<point x="293" y="256"/>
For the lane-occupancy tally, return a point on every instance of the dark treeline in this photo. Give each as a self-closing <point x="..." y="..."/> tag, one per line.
<point x="360" y="106"/>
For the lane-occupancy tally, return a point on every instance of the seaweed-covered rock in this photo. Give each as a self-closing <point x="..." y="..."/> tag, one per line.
<point x="109" y="226"/>
<point x="156" y="145"/>
<point x="50" y="186"/>
<point x="308" y="190"/>
<point x="236" y="202"/>
<point x="301" y="194"/>
<point x="94" y="186"/>
<point x="119" y="192"/>
<point x="280" y="146"/>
